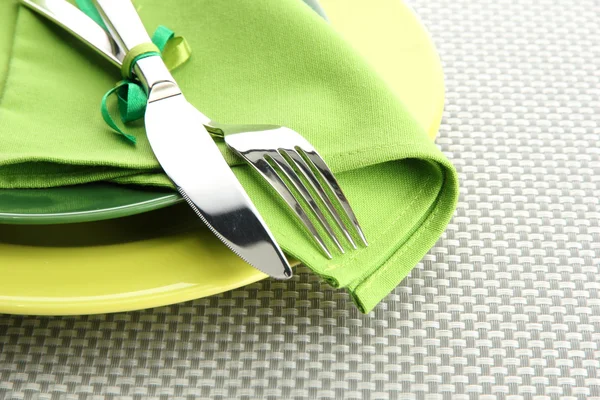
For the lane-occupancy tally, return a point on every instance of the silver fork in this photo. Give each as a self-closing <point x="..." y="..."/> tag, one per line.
<point x="279" y="154"/>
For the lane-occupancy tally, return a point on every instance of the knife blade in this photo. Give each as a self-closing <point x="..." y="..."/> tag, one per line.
<point x="181" y="144"/>
<point x="184" y="148"/>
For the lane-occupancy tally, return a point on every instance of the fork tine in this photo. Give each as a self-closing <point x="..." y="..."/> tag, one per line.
<point x="327" y="175"/>
<point x="289" y="172"/>
<point x="310" y="176"/>
<point x="271" y="176"/>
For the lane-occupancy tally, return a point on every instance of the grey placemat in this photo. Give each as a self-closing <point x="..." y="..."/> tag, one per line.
<point x="506" y="306"/>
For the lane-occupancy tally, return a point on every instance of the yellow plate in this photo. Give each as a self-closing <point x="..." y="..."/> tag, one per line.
<point x="139" y="262"/>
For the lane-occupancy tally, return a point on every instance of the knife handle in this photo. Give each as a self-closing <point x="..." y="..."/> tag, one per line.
<point x="127" y="29"/>
<point x="123" y="22"/>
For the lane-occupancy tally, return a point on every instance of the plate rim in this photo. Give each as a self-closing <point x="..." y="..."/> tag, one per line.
<point x="101" y="214"/>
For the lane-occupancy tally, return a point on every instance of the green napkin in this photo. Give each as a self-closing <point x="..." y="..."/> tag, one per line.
<point x="269" y="62"/>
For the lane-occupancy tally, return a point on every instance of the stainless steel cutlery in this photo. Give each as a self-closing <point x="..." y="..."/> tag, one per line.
<point x="188" y="154"/>
<point x="178" y="132"/>
<point x="288" y="162"/>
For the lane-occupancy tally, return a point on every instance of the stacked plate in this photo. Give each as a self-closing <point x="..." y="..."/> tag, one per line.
<point x="103" y="248"/>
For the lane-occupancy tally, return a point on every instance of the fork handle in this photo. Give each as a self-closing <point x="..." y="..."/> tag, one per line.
<point x="79" y="24"/>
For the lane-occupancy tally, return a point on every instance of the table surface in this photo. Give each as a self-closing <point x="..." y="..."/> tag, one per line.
<point x="505" y="306"/>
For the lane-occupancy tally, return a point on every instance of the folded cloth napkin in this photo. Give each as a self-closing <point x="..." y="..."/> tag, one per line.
<point x="268" y="62"/>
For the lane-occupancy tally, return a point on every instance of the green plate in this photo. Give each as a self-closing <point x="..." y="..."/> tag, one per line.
<point x="82" y="203"/>
<point x="86" y="203"/>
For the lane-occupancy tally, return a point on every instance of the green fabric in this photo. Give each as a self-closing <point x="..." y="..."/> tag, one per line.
<point x="268" y="62"/>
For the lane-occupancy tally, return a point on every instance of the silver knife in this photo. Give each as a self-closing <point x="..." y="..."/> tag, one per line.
<point x="181" y="144"/>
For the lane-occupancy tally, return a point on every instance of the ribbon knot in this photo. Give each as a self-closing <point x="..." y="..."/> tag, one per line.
<point x="131" y="96"/>
<point x="134" y="55"/>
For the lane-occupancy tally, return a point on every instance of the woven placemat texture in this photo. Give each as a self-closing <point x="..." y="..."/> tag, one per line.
<point x="505" y="306"/>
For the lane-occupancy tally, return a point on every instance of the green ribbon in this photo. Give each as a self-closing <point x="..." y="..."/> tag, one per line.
<point x="134" y="55"/>
<point x="88" y="7"/>
<point x="131" y="97"/>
